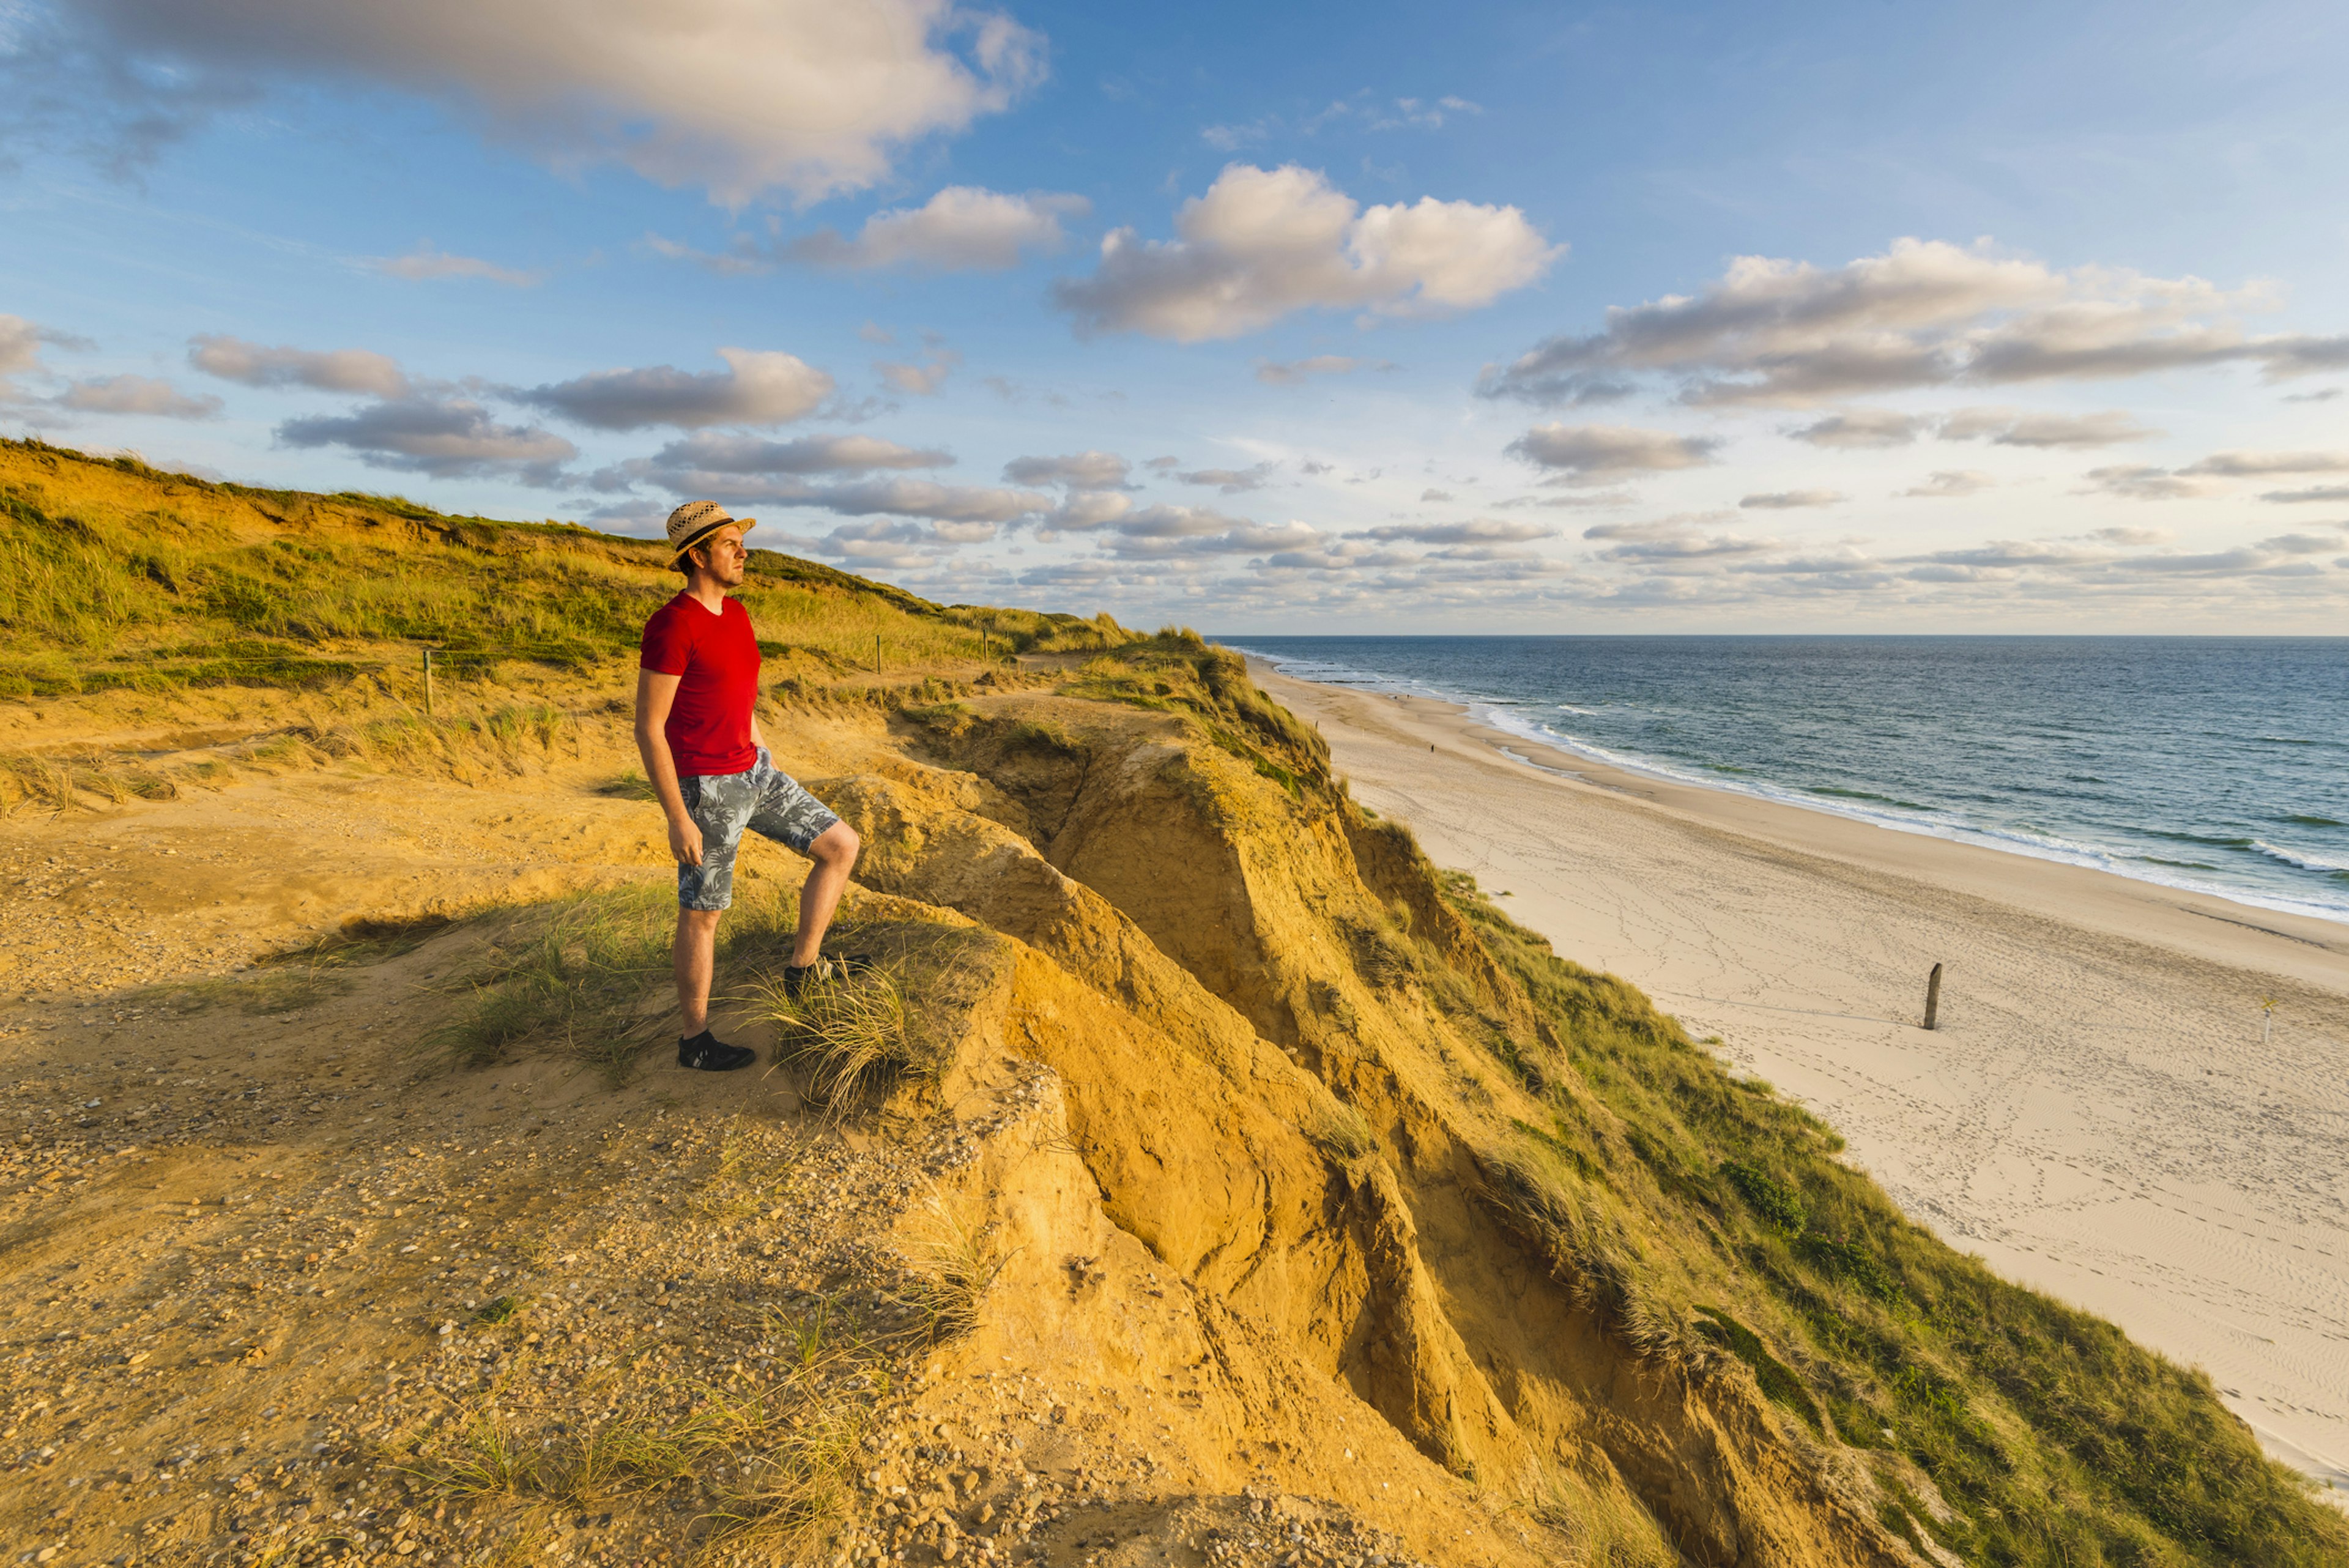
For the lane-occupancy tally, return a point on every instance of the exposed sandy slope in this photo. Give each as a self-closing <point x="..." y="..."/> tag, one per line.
<point x="2096" y="1116"/>
<point x="246" y="1224"/>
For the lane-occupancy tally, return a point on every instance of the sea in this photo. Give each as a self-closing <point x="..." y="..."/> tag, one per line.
<point x="2215" y="764"/>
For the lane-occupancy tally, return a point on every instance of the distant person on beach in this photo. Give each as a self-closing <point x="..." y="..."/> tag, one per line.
<point x="697" y="731"/>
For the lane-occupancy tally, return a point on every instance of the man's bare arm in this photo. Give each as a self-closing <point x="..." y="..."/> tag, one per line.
<point x="655" y="692"/>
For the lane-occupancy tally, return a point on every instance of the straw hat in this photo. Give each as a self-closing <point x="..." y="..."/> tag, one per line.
<point x="695" y="521"/>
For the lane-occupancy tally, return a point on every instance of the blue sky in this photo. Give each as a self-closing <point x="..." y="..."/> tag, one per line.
<point x="1669" y="318"/>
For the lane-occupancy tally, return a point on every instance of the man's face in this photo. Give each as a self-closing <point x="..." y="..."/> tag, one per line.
<point x="726" y="555"/>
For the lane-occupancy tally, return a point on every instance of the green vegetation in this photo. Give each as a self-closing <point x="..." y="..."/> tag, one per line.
<point x="775" y="1463"/>
<point x="117" y="575"/>
<point x="1178" y="672"/>
<point x="1706" y="1218"/>
<point x="957" y="1261"/>
<point x="854" y="1038"/>
<point x="578" y="975"/>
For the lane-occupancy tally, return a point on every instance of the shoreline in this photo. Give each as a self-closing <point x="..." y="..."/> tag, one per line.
<point x="2097" y="1115"/>
<point x="1597" y="765"/>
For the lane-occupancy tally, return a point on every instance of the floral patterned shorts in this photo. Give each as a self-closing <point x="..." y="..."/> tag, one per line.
<point x="722" y="804"/>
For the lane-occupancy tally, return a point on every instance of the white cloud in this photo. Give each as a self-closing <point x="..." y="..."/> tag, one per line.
<point x="1860" y="428"/>
<point x="1596" y="454"/>
<point x="2329" y="494"/>
<point x="710" y="452"/>
<point x="2267" y="465"/>
<point x="334" y="370"/>
<point x="1947" y="483"/>
<point x="1231" y="138"/>
<point x="1419" y="114"/>
<point x="424" y="262"/>
<point x="1081" y="510"/>
<point x="137" y="395"/>
<point x="1669" y="543"/>
<point x="1230" y="481"/>
<point x="917" y="498"/>
<point x="20" y="350"/>
<point x="1923" y="314"/>
<point x="1159" y="531"/>
<point x="1178" y="523"/>
<point x="1261" y="244"/>
<point x="446" y="438"/>
<point x="755" y="389"/>
<point x="1477" y="531"/>
<point x="20" y="345"/>
<point x="962" y="229"/>
<point x="1275" y="373"/>
<point x="2018" y="427"/>
<point x="924" y="377"/>
<point x="2139" y="482"/>
<point x="738" y="97"/>
<point x="1786" y="500"/>
<point x="1085" y="470"/>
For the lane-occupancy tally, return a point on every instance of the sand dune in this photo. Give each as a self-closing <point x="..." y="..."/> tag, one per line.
<point x="2097" y="1115"/>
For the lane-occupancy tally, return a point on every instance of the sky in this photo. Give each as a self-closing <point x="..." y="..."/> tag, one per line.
<point x="1674" y="317"/>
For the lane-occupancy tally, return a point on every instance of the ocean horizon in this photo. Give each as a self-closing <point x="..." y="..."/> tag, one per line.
<point x="2213" y="765"/>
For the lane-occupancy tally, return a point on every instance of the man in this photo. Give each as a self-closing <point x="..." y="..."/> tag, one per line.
<point x="697" y="731"/>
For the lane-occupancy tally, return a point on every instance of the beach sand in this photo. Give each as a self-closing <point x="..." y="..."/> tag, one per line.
<point x="2096" y="1116"/>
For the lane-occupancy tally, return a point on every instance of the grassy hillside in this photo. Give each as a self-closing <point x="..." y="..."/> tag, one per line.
<point x="1700" y="1201"/>
<point x="114" y="574"/>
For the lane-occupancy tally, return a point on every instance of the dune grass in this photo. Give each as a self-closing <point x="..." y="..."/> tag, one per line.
<point x="117" y="575"/>
<point x="854" y="1038"/>
<point x="1178" y="672"/>
<point x="585" y="977"/>
<point x="1711" y="1220"/>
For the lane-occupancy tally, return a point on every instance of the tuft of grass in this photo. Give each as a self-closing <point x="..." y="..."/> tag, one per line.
<point x="956" y="1263"/>
<point x="571" y="976"/>
<point x="485" y="1459"/>
<point x="849" y="1038"/>
<point x="629" y="785"/>
<point x="854" y="1038"/>
<point x="1601" y="1527"/>
<point x="1780" y="1206"/>
<point x="1341" y="1132"/>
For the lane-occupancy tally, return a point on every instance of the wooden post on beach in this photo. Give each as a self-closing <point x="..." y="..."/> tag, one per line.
<point x="428" y="683"/>
<point x="1932" y="996"/>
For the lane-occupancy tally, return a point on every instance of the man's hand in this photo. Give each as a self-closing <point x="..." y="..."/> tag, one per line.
<point x="685" y="840"/>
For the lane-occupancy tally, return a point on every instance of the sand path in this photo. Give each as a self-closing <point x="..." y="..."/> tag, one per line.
<point x="2097" y="1115"/>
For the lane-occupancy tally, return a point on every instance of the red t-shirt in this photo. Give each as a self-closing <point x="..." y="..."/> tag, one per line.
<point x="709" y="726"/>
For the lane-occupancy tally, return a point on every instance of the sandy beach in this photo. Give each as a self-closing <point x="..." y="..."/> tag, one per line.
<point x="2097" y="1115"/>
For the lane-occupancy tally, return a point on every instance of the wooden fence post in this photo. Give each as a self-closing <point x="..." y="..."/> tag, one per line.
<point x="428" y="683"/>
<point x="1933" y="997"/>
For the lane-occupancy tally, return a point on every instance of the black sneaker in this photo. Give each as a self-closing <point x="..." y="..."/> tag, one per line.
<point x="707" y="1054"/>
<point x="797" y="977"/>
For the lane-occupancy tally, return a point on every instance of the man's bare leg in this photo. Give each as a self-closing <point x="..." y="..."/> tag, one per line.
<point x="693" y="955"/>
<point x="835" y="854"/>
